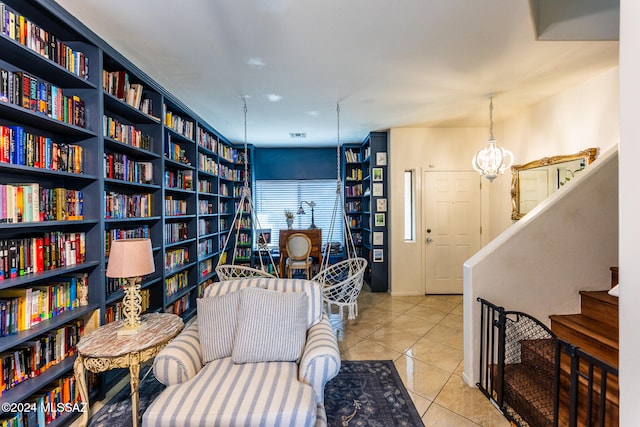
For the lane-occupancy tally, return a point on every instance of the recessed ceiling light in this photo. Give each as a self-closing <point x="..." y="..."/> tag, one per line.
<point x="256" y="63"/>
<point x="272" y="97"/>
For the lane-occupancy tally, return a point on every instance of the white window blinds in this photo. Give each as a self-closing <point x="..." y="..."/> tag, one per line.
<point x="272" y="197"/>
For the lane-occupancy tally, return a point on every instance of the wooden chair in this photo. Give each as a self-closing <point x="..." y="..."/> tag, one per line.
<point x="298" y="249"/>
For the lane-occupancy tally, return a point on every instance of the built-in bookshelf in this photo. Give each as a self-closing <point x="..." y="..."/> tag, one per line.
<point x="365" y="176"/>
<point x="93" y="150"/>
<point x="50" y="185"/>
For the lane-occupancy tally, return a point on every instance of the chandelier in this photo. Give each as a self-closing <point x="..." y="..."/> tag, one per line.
<point x="492" y="160"/>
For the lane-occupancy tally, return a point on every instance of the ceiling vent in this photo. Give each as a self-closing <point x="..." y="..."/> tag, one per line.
<point x="298" y="135"/>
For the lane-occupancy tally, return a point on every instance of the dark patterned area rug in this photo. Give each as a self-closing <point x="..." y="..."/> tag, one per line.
<point x="365" y="393"/>
<point x="369" y="393"/>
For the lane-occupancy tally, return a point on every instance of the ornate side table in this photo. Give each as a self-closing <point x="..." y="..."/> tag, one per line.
<point x="103" y="349"/>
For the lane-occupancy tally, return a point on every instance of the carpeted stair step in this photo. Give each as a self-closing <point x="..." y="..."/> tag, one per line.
<point x="529" y="397"/>
<point x="600" y="306"/>
<point x="592" y="336"/>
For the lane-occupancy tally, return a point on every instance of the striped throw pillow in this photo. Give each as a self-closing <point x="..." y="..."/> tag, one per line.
<point x="272" y="326"/>
<point x="217" y="318"/>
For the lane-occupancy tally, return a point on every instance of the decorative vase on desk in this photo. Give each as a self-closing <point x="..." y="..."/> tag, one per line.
<point x="289" y="215"/>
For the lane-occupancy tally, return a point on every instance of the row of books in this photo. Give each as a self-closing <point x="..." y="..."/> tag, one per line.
<point x="122" y="206"/>
<point x="206" y="247"/>
<point x="173" y="151"/>
<point x="23" y="308"/>
<point x="125" y="133"/>
<point x="34" y="357"/>
<point x="205" y="186"/>
<point x="354" y="175"/>
<point x="231" y="174"/>
<point x="175" y="258"/>
<point x="24" y="31"/>
<point x="30" y="203"/>
<point x="208" y="141"/>
<point x="124" y="233"/>
<point x="118" y="84"/>
<point x="182" y="179"/>
<point x="353" y="205"/>
<point x="205" y="207"/>
<point x="205" y="226"/>
<point x="352" y="156"/>
<point x="205" y="267"/>
<point x="180" y="306"/>
<point x="175" y="232"/>
<point x="21" y="147"/>
<point x="28" y="255"/>
<point x="47" y="405"/>
<point x="207" y="164"/>
<point x="120" y="166"/>
<point x="353" y="190"/>
<point x="176" y="283"/>
<point x="242" y="254"/>
<point x="178" y="124"/>
<point x="174" y="207"/>
<point x="23" y="89"/>
<point x="228" y="153"/>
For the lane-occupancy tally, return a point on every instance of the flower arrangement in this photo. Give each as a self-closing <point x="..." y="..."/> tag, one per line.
<point x="289" y="214"/>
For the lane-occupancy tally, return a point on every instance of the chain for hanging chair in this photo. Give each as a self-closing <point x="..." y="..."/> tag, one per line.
<point x="232" y="271"/>
<point x="341" y="282"/>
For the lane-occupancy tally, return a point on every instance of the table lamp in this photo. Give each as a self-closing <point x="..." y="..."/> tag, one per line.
<point x="301" y="211"/>
<point x="130" y="259"/>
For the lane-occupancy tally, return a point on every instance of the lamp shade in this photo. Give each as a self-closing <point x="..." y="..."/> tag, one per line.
<point x="130" y="258"/>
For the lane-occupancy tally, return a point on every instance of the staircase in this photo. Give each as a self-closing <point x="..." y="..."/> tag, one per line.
<point x="529" y="382"/>
<point x="595" y="331"/>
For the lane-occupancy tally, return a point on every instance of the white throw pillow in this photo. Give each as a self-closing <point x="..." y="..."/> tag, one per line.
<point x="217" y="320"/>
<point x="272" y="326"/>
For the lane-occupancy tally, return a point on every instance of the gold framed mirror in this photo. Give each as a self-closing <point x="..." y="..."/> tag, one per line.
<point x="533" y="182"/>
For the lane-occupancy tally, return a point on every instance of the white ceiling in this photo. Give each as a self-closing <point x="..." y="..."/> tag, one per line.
<point x="389" y="63"/>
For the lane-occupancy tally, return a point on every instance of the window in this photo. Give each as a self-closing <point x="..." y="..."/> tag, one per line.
<point x="274" y="196"/>
<point x="409" y="207"/>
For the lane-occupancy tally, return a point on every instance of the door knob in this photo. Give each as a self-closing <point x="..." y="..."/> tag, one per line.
<point x="429" y="240"/>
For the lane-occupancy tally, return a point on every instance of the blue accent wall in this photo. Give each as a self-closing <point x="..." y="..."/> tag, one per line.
<point x="295" y="163"/>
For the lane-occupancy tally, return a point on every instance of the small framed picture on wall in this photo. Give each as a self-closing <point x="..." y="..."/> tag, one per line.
<point x="381" y="158"/>
<point x="378" y="189"/>
<point x="378" y="238"/>
<point x="381" y="205"/>
<point x="376" y="174"/>
<point x="380" y="220"/>
<point x="378" y="255"/>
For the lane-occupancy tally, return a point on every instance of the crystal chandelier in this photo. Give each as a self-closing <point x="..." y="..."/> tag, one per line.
<point x="492" y="160"/>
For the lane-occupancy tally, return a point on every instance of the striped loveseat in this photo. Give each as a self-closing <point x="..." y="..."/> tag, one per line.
<point x="224" y="393"/>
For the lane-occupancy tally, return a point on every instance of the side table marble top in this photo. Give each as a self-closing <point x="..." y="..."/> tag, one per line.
<point x="103" y="349"/>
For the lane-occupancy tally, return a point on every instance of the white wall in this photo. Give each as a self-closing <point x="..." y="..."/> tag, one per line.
<point x="538" y="266"/>
<point x="629" y="208"/>
<point x="581" y="117"/>
<point x="418" y="149"/>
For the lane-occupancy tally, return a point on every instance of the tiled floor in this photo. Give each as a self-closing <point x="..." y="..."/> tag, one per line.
<point x="423" y="336"/>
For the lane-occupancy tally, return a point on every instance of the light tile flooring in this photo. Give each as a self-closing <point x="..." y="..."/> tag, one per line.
<point x="423" y="335"/>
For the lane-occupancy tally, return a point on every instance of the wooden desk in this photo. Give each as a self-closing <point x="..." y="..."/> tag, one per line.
<point x="314" y="234"/>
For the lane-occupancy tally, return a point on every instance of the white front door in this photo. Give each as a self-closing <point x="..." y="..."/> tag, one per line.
<point x="451" y="218"/>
